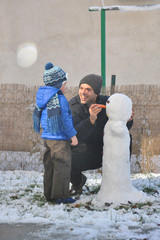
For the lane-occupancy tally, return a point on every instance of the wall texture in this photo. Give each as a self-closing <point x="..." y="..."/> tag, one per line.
<point x="67" y="34"/>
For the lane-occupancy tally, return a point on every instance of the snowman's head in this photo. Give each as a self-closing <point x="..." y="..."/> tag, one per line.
<point x="119" y="107"/>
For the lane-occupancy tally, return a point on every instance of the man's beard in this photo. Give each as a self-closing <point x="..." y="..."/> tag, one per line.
<point x="89" y="103"/>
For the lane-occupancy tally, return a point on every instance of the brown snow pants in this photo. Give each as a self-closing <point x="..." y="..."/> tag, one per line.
<point x="57" y="166"/>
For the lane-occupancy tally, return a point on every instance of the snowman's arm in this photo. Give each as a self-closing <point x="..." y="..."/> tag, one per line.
<point x="117" y="128"/>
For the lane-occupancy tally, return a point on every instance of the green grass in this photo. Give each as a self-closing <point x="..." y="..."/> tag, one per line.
<point x="93" y="190"/>
<point x="133" y="205"/>
<point x="40" y="199"/>
<point x="150" y="190"/>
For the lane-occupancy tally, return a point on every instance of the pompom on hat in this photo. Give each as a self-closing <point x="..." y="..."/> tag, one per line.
<point x="54" y="76"/>
<point x="93" y="80"/>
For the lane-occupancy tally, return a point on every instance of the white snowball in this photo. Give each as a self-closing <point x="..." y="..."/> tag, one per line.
<point x="26" y="55"/>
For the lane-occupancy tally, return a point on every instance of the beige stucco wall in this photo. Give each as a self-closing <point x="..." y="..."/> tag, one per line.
<point x="67" y="34"/>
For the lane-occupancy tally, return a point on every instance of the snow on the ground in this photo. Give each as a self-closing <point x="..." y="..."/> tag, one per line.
<point x="22" y="201"/>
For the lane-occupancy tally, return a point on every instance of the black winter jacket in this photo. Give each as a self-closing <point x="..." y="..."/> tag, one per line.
<point x="86" y="132"/>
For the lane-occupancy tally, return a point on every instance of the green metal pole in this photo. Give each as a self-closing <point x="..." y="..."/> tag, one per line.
<point x="103" y="47"/>
<point x="113" y="83"/>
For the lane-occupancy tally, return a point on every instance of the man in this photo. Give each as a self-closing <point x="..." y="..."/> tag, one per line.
<point x="89" y="121"/>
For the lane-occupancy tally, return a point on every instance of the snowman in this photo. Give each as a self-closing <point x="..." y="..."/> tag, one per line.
<point x="116" y="186"/>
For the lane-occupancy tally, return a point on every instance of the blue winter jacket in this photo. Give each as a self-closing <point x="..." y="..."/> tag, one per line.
<point x="44" y="94"/>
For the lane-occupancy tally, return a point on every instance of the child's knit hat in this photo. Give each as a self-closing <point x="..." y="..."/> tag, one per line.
<point x="93" y="80"/>
<point x="54" y="76"/>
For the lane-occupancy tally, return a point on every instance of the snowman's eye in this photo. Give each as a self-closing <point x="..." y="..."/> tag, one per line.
<point x="108" y="101"/>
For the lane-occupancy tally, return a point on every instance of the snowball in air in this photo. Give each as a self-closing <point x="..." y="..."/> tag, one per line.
<point x="26" y="55"/>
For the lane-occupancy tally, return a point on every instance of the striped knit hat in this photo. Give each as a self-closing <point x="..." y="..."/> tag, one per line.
<point x="93" y="80"/>
<point x="54" y="76"/>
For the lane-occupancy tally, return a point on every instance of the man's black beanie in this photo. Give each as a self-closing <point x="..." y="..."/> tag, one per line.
<point x="93" y="80"/>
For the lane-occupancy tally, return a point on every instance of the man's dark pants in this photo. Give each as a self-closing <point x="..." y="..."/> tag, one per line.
<point x="84" y="157"/>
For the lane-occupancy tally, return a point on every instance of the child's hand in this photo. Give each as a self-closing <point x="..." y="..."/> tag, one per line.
<point x="74" y="141"/>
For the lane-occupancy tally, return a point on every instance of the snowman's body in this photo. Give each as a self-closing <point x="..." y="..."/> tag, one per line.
<point x="116" y="183"/>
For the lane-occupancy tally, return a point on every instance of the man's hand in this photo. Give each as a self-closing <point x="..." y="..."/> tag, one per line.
<point x="94" y="110"/>
<point x="132" y="115"/>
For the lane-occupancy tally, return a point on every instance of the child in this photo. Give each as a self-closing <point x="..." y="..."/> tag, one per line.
<point x="55" y="116"/>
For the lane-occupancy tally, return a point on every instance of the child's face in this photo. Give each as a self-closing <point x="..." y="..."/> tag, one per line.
<point x="63" y="88"/>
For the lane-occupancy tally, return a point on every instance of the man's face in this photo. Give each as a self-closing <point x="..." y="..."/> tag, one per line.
<point x="87" y="94"/>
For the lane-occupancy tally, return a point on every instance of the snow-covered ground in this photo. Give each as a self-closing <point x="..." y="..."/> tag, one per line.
<point x="22" y="201"/>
